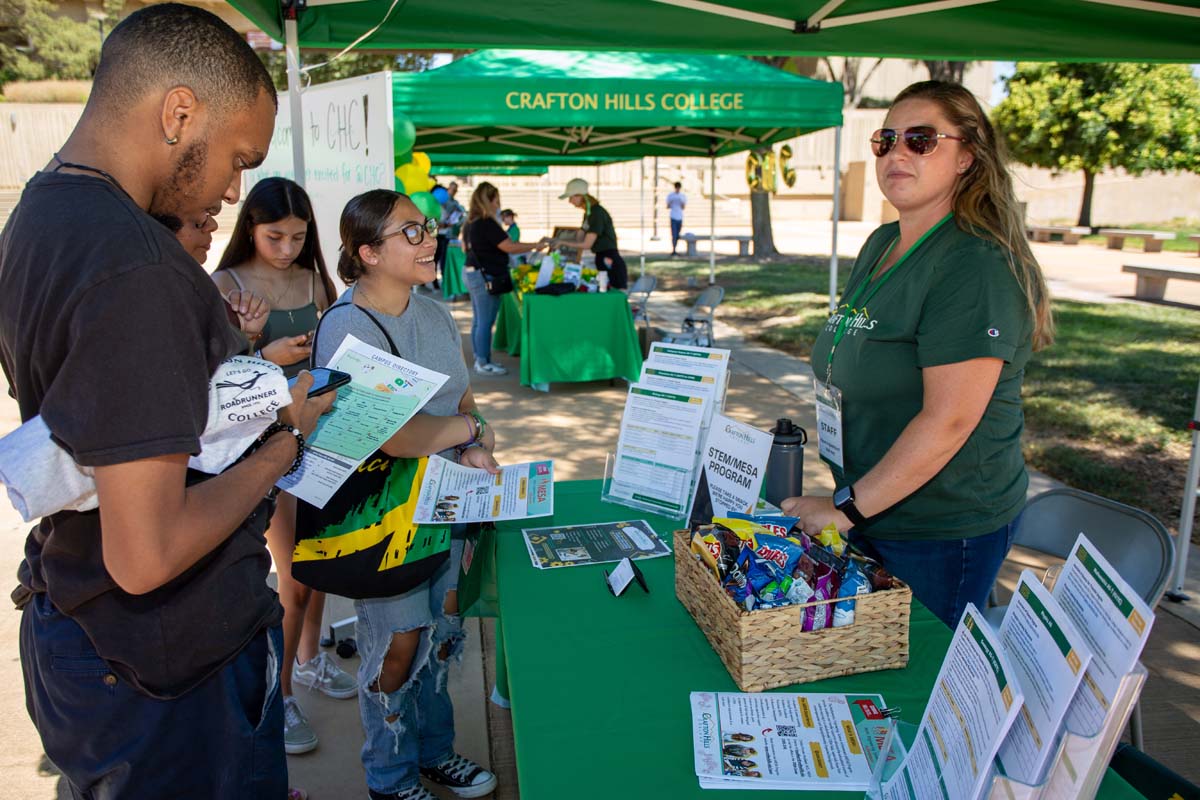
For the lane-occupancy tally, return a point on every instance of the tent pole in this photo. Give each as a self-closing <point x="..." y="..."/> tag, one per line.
<point x="1191" y="489"/>
<point x="837" y="212"/>
<point x="642" y="209"/>
<point x="292" y="49"/>
<point x="712" y="220"/>
<point x="654" y="201"/>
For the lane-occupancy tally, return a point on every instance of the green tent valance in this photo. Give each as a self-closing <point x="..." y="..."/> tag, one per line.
<point x="569" y="107"/>
<point x="965" y="30"/>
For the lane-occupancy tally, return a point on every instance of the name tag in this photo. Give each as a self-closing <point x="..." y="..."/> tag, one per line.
<point x="829" y="423"/>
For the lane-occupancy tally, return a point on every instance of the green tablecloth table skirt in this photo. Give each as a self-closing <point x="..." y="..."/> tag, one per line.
<point x="507" y="336"/>
<point x="453" y="282"/>
<point x="578" y="337"/>
<point x="599" y="684"/>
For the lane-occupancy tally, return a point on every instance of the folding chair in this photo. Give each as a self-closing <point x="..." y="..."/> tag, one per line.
<point x="639" y="298"/>
<point x="698" y="324"/>
<point x="1135" y="543"/>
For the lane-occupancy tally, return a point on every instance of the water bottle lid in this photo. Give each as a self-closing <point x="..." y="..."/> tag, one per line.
<point x="786" y="432"/>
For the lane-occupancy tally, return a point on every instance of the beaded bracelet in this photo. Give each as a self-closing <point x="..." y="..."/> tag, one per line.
<point x="480" y="423"/>
<point x="279" y="427"/>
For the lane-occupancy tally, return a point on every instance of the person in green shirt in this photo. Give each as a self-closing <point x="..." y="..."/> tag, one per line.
<point x="596" y="234"/>
<point x="919" y="369"/>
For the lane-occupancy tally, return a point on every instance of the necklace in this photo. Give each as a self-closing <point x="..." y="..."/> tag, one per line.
<point x="85" y="168"/>
<point x="275" y="301"/>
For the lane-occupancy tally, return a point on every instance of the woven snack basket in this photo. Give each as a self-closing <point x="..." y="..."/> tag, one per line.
<point x="766" y="648"/>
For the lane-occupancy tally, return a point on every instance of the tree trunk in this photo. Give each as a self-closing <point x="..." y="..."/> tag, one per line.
<point x="760" y="222"/>
<point x="951" y="71"/>
<point x="1085" y="208"/>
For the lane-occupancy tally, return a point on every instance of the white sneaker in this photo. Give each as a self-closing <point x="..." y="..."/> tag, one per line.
<point x="298" y="735"/>
<point x="323" y="674"/>
<point x="490" y="369"/>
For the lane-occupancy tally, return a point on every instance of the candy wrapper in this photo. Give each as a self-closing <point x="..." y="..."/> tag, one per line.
<point x="831" y="538"/>
<point x="825" y="587"/>
<point x="854" y="584"/>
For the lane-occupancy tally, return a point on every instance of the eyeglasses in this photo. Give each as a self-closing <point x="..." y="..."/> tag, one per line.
<point x="920" y="139"/>
<point x="414" y="231"/>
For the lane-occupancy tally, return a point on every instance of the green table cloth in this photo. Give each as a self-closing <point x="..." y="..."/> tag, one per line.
<point x="507" y="336"/>
<point x="599" y="684"/>
<point x="453" y="283"/>
<point x="578" y="337"/>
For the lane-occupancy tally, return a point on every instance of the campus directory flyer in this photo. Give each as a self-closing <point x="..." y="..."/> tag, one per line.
<point x="657" y="448"/>
<point x="453" y="493"/>
<point x="975" y="700"/>
<point x="786" y="741"/>
<point x="384" y="393"/>
<point x="597" y="543"/>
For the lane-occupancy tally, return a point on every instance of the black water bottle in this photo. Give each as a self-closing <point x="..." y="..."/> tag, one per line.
<point x="785" y="465"/>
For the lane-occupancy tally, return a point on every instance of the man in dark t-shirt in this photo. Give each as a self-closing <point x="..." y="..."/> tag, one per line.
<point x="148" y="635"/>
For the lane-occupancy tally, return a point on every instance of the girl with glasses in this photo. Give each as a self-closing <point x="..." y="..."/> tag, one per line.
<point x="406" y="642"/>
<point x="919" y="369"/>
<point x="274" y="253"/>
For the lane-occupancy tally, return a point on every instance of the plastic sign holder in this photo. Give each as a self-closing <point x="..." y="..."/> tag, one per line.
<point x="675" y="508"/>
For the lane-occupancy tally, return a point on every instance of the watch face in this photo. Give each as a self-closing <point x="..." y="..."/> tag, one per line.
<point x="841" y="496"/>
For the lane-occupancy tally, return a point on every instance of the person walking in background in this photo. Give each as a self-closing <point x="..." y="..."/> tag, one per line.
<point x="927" y="394"/>
<point x="596" y="233"/>
<point x="274" y="250"/>
<point x="488" y="248"/>
<point x="149" y="636"/>
<point x="676" y="203"/>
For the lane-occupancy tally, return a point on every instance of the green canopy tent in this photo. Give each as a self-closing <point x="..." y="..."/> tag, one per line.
<point x="1102" y="30"/>
<point x="578" y="107"/>
<point x="477" y="168"/>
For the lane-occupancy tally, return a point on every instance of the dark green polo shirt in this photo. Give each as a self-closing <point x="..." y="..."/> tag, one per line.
<point x="600" y="223"/>
<point x="953" y="299"/>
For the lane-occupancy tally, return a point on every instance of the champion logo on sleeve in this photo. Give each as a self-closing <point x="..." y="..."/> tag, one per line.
<point x="994" y="333"/>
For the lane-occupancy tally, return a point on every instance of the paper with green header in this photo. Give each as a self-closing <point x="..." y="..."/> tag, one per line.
<point x="973" y="705"/>
<point x="1049" y="657"/>
<point x="453" y="493"/>
<point x="708" y="361"/>
<point x="786" y="741"/>
<point x="384" y="393"/>
<point x="598" y="543"/>
<point x="656" y="450"/>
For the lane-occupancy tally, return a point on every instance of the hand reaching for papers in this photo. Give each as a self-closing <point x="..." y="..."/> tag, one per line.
<point x="304" y="411"/>
<point x="479" y="458"/>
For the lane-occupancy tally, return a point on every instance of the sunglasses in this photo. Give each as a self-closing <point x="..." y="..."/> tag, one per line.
<point x="920" y="139"/>
<point x="414" y="231"/>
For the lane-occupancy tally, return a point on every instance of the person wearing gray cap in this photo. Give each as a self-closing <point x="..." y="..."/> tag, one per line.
<point x="596" y="234"/>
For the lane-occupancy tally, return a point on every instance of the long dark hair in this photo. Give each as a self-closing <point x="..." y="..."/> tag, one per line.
<point x="271" y="200"/>
<point x="363" y="221"/>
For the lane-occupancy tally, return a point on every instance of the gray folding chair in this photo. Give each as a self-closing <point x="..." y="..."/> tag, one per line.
<point x="639" y="297"/>
<point x="698" y="324"/>
<point x="1135" y="543"/>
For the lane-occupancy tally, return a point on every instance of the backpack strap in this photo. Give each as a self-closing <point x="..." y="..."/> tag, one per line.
<point x="391" y="344"/>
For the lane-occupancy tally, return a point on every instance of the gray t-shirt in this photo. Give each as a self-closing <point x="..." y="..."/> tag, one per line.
<point x="425" y="334"/>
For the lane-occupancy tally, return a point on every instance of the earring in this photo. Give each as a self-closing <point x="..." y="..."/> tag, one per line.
<point x="172" y="140"/>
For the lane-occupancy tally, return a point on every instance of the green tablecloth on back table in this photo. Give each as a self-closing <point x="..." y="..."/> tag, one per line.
<point x="572" y="337"/>
<point x="599" y="684"/>
<point x="453" y="283"/>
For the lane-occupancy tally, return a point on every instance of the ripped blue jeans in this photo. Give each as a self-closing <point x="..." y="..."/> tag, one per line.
<point x="421" y="731"/>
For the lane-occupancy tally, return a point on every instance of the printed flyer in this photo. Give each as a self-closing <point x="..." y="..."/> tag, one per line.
<point x="454" y="493"/>
<point x="733" y="461"/>
<point x="600" y="543"/>
<point x="656" y="449"/>
<point x="786" y="741"/>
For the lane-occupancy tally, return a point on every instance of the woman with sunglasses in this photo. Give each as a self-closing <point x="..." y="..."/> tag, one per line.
<point x="488" y="247"/>
<point x="274" y="252"/>
<point x="406" y="642"/>
<point x="919" y="370"/>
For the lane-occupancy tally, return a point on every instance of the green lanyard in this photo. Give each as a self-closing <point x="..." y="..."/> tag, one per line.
<point x="844" y="324"/>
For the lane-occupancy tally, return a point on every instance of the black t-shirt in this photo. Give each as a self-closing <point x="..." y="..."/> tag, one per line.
<point x="484" y="237"/>
<point x="110" y="331"/>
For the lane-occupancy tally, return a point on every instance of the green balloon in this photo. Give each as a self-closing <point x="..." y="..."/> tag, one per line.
<point x="404" y="136"/>
<point x="400" y="186"/>
<point x="427" y="204"/>
<point x="403" y="158"/>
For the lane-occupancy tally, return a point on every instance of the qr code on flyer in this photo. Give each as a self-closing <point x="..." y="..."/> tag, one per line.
<point x="786" y="730"/>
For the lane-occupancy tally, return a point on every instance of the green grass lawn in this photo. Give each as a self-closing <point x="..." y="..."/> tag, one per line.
<point x="1181" y="243"/>
<point x="1105" y="407"/>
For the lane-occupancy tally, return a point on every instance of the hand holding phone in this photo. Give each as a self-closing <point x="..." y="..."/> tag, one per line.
<point x="324" y="380"/>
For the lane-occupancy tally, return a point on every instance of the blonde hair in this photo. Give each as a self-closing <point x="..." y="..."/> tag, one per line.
<point x="477" y="209"/>
<point x="984" y="200"/>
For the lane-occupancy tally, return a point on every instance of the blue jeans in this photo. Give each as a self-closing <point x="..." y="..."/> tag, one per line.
<point x="485" y="307"/>
<point x="947" y="574"/>
<point x="676" y="229"/>
<point x="412" y="727"/>
<point x="222" y="739"/>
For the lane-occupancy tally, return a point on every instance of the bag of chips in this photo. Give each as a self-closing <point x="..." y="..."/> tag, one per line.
<point x="854" y="584"/>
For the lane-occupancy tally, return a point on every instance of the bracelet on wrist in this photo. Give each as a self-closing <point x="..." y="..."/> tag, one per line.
<point x="281" y="427"/>
<point x="472" y="430"/>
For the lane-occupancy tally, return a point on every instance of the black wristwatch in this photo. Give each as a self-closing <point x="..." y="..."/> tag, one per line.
<point x="843" y="501"/>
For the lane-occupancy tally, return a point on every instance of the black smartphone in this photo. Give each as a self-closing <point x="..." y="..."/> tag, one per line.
<point x="324" y="380"/>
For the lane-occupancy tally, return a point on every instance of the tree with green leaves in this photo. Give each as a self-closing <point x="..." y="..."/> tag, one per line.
<point x="1092" y="117"/>
<point x="36" y="43"/>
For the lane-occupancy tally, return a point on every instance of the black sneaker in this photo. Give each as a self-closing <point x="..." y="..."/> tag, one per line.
<point x="462" y="776"/>
<point x="417" y="792"/>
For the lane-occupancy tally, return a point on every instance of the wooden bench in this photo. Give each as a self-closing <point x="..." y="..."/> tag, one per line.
<point x="1195" y="237"/>
<point x="1152" y="278"/>
<point x="743" y="243"/>
<point x="1070" y="235"/>
<point x="1152" y="241"/>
